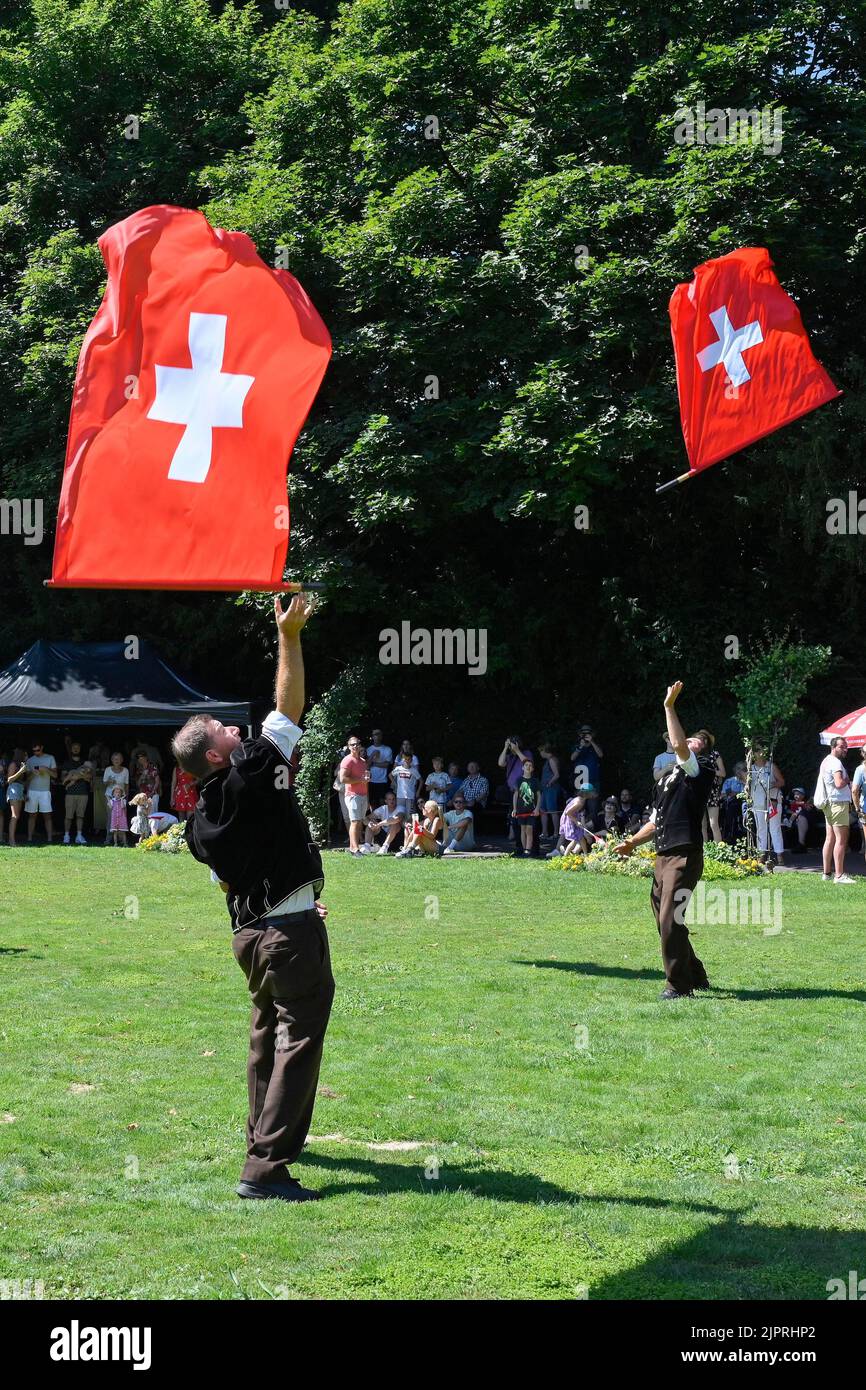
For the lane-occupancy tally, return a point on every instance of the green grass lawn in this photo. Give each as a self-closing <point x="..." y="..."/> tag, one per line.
<point x="563" y="1171"/>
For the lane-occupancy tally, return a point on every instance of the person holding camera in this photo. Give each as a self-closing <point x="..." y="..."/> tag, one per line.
<point x="512" y="758"/>
<point x="586" y="759"/>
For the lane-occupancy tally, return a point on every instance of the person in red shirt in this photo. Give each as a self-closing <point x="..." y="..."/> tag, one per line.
<point x="354" y="777"/>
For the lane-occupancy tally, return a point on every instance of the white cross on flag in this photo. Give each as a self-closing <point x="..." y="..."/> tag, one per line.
<point x="194" y="381"/>
<point x="744" y="364"/>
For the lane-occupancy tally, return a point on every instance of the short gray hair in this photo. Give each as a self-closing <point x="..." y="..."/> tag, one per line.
<point x="190" y="745"/>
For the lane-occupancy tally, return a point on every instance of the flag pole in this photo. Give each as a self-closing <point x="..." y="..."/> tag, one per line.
<point x="288" y="587"/>
<point x="674" y="482"/>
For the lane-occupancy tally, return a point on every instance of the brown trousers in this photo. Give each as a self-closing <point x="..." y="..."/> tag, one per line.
<point x="288" y="969"/>
<point x="674" y="880"/>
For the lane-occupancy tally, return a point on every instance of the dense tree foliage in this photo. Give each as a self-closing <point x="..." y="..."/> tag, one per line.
<point x="488" y="205"/>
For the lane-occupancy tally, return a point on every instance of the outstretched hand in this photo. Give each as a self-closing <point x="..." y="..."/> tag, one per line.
<point x="291" y="620"/>
<point x="674" y="692"/>
<point x="623" y="848"/>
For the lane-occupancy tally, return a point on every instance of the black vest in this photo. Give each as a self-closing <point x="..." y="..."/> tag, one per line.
<point x="249" y="829"/>
<point x="680" y="806"/>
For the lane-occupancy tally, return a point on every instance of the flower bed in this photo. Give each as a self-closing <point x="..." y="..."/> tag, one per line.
<point x="172" y="842"/>
<point x="721" y="861"/>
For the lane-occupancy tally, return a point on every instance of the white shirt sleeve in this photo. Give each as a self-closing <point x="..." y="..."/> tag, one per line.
<point x="281" y="731"/>
<point x="689" y="765"/>
<point x="652" y="819"/>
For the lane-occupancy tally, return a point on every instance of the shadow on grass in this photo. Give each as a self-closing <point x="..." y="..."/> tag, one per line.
<point x="379" y="1179"/>
<point x="19" y="951"/>
<point x="619" y="972"/>
<point x="732" y="1259"/>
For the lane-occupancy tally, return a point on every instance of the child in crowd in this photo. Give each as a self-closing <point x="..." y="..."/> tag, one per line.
<point x="438" y="784"/>
<point x="404" y="779"/>
<point x="141" y="820"/>
<point x="573" y="837"/>
<point x="455" y="778"/>
<point x="117" y="823"/>
<point x="422" y="838"/>
<point x="526" y="805"/>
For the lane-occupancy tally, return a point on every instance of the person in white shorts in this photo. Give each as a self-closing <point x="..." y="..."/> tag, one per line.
<point x="355" y="776"/>
<point x="41" y="771"/>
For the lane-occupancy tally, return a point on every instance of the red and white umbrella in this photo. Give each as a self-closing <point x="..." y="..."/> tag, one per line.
<point x="850" y="726"/>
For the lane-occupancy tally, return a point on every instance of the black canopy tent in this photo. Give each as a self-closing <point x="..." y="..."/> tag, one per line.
<point x="104" y="683"/>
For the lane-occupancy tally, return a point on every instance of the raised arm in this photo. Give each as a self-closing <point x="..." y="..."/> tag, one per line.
<point x="675" y="728"/>
<point x="289" y="693"/>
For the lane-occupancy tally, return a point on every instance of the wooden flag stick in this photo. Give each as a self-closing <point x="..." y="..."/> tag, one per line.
<point x="674" y="482"/>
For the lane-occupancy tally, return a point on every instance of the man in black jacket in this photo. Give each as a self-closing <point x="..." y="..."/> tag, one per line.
<point x="676" y="823"/>
<point x="249" y="830"/>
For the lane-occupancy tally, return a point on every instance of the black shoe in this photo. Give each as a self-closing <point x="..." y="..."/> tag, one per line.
<point x="284" y="1190"/>
<point x="674" y="994"/>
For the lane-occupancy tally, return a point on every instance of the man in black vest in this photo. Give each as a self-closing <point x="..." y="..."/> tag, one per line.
<point x="680" y="801"/>
<point x="251" y="833"/>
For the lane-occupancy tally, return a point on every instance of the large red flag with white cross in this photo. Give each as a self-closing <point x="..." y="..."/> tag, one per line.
<point x="744" y="364"/>
<point x="194" y="380"/>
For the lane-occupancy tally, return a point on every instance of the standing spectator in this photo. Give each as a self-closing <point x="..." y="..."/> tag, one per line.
<point x="115" y="776"/>
<point x="16" y="773"/>
<point x="474" y="789"/>
<point x="550" y="789"/>
<point x="459" y="827"/>
<point x="586" y="759"/>
<point x="765" y="786"/>
<point x="379" y="758"/>
<point x="385" y="817"/>
<point x="76" y="775"/>
<point x="337" y="786"/>
<point x="183" y="794"/>
<point x="406" y="747"/>
<point x="153" y="754"/>
<point x="147" y="779"/>
<point x="4" y="762"/>
<point x="512" y="758"/>
<point x="117" y="822"/>
<point x="456" y="781"/>
<point x="731" y="804"/>
<point x="41" y="772"/>
<point x="526" y="805"/>
<point x="833" y="797"/>
<point x="664" y="760"/>
<point x="141" y="820"/>
<point x="354" y="776"/>
<point x="438" y="784"/>
<point x="405" y="778"/>
<point x="858" y="793"/>
<point x="716" y="793"/>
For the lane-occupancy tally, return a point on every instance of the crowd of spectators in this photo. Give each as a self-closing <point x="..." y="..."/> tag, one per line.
<point x="101" y="794"/>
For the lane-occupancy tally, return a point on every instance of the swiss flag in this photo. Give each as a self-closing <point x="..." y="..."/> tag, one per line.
<point x="194" y="380"/>
<point x="744" y="364"/>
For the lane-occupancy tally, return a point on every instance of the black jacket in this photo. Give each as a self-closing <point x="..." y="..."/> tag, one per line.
<point x="680" y="805"/>
<point x="249" y="829"/>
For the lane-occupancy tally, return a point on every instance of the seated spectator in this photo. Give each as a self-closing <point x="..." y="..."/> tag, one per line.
<point x="456" y="781"/>
<point x="438" y="784"/>
<point x="384" y="819"/>
<point x="424" y="834"/>
<point x="572" y="828"/>
<point x="606" y="822"/>
<point x="629" y="809"/>
<point x="664" y="760"/>
<point x="795" y="819"/>
<point x="474" y="788"/>
<point x="459" y="827"/>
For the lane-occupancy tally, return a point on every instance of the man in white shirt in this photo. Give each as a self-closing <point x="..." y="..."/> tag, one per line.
<point x="459" y="828"/>
<point x="41" y="772"/>
<point x="250" y="831"/>
<point x="833" y="797"/>
<point x="664" y="760"/>
<point x="379" y="759"/>
<point x="384" y="818"/>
